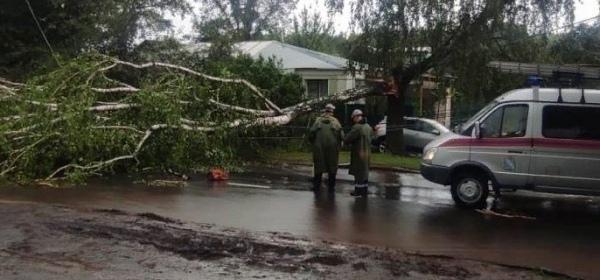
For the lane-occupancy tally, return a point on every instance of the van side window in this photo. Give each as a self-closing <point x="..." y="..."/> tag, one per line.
<point x="570" y="122"/>
<point x="506" y="122"/>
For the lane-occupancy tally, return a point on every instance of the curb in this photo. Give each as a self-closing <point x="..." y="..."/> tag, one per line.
<point x="376" y="168"/>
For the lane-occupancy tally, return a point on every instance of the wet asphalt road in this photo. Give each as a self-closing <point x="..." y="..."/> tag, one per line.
<point x="560" y="233"/>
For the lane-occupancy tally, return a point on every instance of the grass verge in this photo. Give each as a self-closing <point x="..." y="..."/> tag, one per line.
<point x="378" y="160"/>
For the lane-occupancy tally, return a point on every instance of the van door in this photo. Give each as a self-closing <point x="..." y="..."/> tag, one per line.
<point x="567" y="153"/>
<point x="505" y="147"/>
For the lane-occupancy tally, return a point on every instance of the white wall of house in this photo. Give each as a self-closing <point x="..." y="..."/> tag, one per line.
<point x="338" y="80"/>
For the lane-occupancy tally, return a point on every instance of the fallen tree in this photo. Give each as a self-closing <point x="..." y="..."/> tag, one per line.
<point x="82" y="119"/>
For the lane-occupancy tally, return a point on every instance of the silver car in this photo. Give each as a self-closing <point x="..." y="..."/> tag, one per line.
<point x="418" y="132"/>
<point x="545" y="140"/>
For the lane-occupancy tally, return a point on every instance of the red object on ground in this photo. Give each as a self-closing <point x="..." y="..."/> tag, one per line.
<point x="218" y="174"/>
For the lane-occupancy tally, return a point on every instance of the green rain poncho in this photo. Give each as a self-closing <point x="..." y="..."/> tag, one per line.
<point x="326" y="136"/>
<point x="360" y="156"/>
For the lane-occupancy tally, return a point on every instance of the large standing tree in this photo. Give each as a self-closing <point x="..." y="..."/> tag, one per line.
<point x="311" y="31"/>
<point x="406" y="38"/>
<point x="75" y="26"/>
<point x="579" y="46"/>
<point x="242" y="19"/>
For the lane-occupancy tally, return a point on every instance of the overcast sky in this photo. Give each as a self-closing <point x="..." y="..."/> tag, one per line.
<point x="585" y="9"/>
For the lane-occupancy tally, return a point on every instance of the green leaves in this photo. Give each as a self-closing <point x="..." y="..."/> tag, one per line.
<point x="74" y="27"/>
<point x="241" y="20"/>
<point x="169" y="104"/>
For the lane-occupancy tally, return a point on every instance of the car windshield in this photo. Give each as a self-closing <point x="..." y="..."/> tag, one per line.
<point x="468" y="123"/>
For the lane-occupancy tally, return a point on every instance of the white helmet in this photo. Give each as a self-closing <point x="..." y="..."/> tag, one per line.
<point x="357" y="112"/>
<point x="329" y="108"/>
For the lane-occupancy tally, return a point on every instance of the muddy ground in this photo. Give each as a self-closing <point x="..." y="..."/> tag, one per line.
<point x="43" y="241"/>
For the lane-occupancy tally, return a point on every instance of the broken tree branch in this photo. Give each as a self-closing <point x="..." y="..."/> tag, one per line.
<point x="10" y="83"/>
<point x="32" y="127"/>
<point x="20" y="152"/>
<point x="115" y="90"/>
<point x="242" y="109"/>
<point x="16" y="117"/>
<point x="8" y="90"/>
<point x="244" y="82"/>
<point x="494" y="213"/>
<point x="114" y="107"/>
<point x="147" y="134"/>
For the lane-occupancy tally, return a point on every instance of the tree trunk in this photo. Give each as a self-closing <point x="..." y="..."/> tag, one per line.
<point x="395" y="122"/>
<point x="395" y="117"/>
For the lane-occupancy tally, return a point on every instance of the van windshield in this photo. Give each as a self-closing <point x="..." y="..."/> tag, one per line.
<point x="464" y="126"/>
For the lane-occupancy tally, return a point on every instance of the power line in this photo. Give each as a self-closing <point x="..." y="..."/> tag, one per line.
<point x="551" y="30"/>
<point x="575" y="23"/>
<point x="42" y="32"/>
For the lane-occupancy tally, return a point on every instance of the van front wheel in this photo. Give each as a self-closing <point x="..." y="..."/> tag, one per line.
<point x="470" y="190"/>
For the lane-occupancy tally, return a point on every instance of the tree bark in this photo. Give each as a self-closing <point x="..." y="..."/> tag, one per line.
<point x="396" y="104"/>
<point x="395" y="123"/>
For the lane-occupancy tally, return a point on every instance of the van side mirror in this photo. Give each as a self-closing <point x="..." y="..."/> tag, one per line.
<point x="436" y="132"/>
<point x="477" y="130"/>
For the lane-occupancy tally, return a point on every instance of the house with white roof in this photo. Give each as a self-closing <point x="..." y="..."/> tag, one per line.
<point x="323" y="74"/>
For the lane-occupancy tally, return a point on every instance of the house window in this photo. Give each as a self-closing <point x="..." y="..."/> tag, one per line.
<point x="317" y="88"/>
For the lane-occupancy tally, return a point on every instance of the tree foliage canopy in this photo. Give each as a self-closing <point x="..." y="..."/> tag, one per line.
<point x="398" y="34"/>
<point x="313" y="31"/>
<point x="580" y="45"/>
<point x="242" y="20"/>
<point x="76" y="26"/>
<point x="407" y="38"/>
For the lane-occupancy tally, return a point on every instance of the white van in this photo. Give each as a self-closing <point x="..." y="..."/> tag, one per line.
<point x="544" y="140"/>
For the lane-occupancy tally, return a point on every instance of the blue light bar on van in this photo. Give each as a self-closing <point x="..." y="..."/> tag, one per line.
<point x="534" y="81"/>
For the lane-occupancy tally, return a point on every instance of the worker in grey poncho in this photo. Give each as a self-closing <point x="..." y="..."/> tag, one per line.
<point x="326" y="137"/>
<point x="359" y="138"/>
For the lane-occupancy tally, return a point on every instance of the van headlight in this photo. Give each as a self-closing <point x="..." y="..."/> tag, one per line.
<point x="429" y="154"/>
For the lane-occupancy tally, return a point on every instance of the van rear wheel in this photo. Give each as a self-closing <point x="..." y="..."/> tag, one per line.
<point x="470" y="190"/>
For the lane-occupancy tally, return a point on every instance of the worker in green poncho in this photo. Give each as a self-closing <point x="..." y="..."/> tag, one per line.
<point x="359" y="138"/>
<point x="326" y="137"/>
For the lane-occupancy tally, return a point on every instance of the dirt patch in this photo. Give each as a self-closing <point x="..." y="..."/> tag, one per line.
<point x="112" y="244"/>
<point x="158" y="218"/>
<point x="185" y="243"/>
<point x="110" y="211"/>
<point x="359" y="266"/>
<point x="332" y="260"/>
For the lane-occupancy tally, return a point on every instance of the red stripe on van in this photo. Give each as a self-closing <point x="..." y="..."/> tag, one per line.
<point x="488" y="142"/>
<point x="523" y="142"/>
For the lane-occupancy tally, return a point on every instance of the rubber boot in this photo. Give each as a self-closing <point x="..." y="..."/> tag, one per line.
<point x="331" y="184"/>
<point x="317" y="180"/>
<point x="360" y="191"/>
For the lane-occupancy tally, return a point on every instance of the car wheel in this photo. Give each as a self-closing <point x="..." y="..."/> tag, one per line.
<point x="470" y="190"/>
